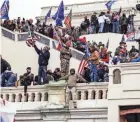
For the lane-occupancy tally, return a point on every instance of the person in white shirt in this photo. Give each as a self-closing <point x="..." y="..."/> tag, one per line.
<point x="101" y="21"/>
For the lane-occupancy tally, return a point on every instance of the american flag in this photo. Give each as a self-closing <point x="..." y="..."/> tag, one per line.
<point x="84" y="63"/>
<point x="68" y="19"/>
<point x="58" y="42"/>
<point x="31" y="40"/>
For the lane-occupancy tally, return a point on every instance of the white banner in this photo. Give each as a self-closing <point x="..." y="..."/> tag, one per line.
<point x="7" y="111"/>
<point x="130" y="36"/>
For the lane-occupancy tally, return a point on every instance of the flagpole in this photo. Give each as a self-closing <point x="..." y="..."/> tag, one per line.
<point x="29" y="30"/>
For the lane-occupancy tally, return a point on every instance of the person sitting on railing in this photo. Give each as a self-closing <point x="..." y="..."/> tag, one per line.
<point x="100" y="71"/>
<point x="50" y="75"/>
<point x="133" y="50"/>
<point x="57" y="74"/>
<point x="106" y="74"/>
<point x="86" y="74"/>
<point x="8" y="79"/>
<point x="135" y="57"/>
<point x="27" y="79"/>
<point x="6" y="74"/>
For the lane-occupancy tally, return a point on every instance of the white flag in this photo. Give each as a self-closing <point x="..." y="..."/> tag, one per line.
<point x="7" y="111"/>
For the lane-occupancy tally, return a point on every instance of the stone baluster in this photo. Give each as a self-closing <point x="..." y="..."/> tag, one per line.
<point x="4" y="97"/>
<point x="97" y="94"/>
<point x="10" y="98"/>
<point x="43" y="96"/>
<point x="30" y="97"/>
<point x="104" y="94"/>
<point x="89" y="94"/>
<point x="82" y="95"/>
<point x="17" y="98"/>
<point x="37" y="96"/>
<point x="24" y="97"/>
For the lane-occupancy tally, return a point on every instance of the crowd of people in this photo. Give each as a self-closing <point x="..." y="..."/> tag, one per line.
<point x="102" y="23"/>
<point x="96" y="72"/>
<point x="98" y="60"/>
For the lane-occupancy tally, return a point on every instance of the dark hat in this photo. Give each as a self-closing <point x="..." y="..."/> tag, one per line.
<point x="29" y="68"/>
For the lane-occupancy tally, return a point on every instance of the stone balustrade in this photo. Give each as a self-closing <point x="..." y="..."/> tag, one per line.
<point x="54" y="93"/>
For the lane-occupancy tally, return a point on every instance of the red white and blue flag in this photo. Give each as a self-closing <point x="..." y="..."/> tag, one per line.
<point x="31" y="40"/>
<point x="84" y="63"/>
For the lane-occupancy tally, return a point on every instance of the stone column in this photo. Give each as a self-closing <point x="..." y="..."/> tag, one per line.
<point x="89" y="94"/>
<point x="97" y="94"/>
<point x="113" y="113"/>
<point x="24" y="97"/>
<point x="30" y="97"/>
<point x="10" y="98"/>
<point x="43" y="96"/>
<point x="82" y="95"/>
<point x="37" y="96"/>
<point x="104" y="94"/>
<point x="17" y="98"/>
<point x="4" y="97"/>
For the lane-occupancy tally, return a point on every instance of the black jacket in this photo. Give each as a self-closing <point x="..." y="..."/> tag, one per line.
<point x="87" y="23"/>
<point x="43" y="57"/>
<point x="4" y="65"/>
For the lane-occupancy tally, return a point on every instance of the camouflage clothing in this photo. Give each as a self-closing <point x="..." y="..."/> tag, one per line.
<point x="65" y="55"/>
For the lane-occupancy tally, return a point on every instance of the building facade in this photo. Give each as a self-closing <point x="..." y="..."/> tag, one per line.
<point x="79" y="11"/>
<point x="95" y="102"/>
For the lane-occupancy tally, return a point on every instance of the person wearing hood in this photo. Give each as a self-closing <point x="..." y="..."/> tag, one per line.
<point x="72" y="79"/>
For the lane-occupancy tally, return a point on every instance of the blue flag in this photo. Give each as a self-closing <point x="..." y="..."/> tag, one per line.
<point x="4" y="10"/>
<point x="48" y="14"/>
<point x="54" y="17"/>
<point x="59" y="16"/>
<point x="110" y="3"/>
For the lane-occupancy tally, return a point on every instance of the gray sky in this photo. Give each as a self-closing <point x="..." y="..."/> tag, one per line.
<point x="32" y="8"/>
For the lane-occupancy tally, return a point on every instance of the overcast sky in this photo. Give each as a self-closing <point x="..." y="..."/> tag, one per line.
<point x="32" y="8"/>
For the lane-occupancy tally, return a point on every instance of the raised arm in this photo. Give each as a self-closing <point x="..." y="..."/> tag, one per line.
<point x="37" y="50"/>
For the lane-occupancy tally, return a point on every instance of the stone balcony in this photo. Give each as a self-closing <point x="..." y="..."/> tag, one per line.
<point x="53" y="94"/>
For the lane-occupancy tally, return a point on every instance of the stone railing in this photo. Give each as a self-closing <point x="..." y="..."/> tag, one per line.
<point x="41" y="38"/>
<point x="54" y="93"/>
<point x="92" y="91"/>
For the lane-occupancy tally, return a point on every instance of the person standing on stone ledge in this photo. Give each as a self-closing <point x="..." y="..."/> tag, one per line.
<point x="43" y="59"/>
<point x="72" y="79"/>
<point x="65" y="56"/>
